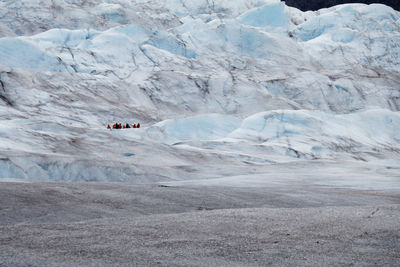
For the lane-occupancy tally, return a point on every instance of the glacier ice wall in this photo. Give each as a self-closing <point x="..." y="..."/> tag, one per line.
<point x="214" y="83"/>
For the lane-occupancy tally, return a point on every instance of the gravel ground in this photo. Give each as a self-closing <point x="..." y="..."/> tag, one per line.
<point x="89" y="224"/>
<point x="241" y="237"/>
<point x="38" y="202"/>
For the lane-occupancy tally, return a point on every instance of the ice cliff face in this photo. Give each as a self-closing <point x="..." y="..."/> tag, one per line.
<point x="217" y="85"/>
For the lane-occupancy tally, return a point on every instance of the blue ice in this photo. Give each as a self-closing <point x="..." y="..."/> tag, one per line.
<point x="268" y="15"/>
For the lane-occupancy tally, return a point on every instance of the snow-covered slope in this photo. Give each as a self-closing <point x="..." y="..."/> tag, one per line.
<point x="218" y="86"/>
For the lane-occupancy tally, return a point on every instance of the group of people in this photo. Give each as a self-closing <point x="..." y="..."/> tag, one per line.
<point x="121" y="126"/>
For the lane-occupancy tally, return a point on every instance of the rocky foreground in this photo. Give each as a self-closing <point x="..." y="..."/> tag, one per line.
<point x="281" y="223"/>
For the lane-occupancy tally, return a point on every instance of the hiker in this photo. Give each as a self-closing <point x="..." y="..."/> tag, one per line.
<point x="125" y="126"/>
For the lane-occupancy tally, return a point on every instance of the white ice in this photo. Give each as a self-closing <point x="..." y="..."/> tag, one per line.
<point x="221" y="88"/>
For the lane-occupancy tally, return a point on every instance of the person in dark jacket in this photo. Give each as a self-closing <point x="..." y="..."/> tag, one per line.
<point x="138" y="125"/>
<point x="127" y="126"/>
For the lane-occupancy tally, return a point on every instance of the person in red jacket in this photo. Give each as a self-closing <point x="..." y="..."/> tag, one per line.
<point x="134" y="126"/>
<point x="114" y="126"/>
<point x="109" y="127"/>
<point x="138" y="125"/>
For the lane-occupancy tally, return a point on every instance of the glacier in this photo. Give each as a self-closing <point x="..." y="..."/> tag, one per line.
<point x="221" y="88"/>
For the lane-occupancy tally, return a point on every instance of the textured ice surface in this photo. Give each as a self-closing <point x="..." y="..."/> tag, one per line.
<point x="221" y="88"/>
<point x="269" y="15"/>
<point x="202" y="127"/>
<point x="20" y="54"/>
